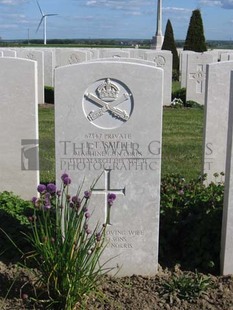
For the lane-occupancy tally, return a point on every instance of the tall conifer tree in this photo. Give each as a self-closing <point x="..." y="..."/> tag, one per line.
<point x="169" y="45"/>
<point x="195" y="39"/>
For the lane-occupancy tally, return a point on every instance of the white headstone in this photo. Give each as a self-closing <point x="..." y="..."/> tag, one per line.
<point x="49" y="66"/>
<point x="227" y="221"/>
<point x="216" y="118"/>
<point x="138" y="53"/>
<point x="18" y="127"/>
<point x="183" y="67"/>
<point x="196" y="76"/>
<point x="113" y="53"/>
<point x="69" y="56"/>
<point x="226" y="56"/>
<point x="8" y="53"/>
<point x="94" y="52"/>
<point x="108" y="123"/>
<point x="163" y="60"/>
<point x="37" y="56"/>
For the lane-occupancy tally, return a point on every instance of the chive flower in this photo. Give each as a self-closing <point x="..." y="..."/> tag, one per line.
<point x="41" y="188"/>
<point x="51" y="188"/>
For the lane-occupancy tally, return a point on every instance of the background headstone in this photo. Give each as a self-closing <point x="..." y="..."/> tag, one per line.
<point x="113" y="53"/>
<point x="66" y="57"/>
<point x="183" y="67"/>
<point x="163" y="60"/>
<point x="18" y="127"/>
<point x="226" y="56"/>
<point x="37" y="56"/>
<point x="49" y="66"/>
<point x="196" y="76"/>
<point x="216" y="118"/>
<point x="8" y="53"/>
<point x="119" y="146"/>
<point x="227" y="221"/>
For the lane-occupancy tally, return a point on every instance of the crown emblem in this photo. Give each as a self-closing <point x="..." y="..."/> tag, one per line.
<point x="108" y="91"/>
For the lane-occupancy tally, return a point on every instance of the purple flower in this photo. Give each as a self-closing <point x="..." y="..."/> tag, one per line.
<point x="47" y="196"/>
<point x="65" y="175"/>
<point x="71" y="204"/>
<point x="24" y="296"/>
<point x="47" y="203"/>
<point x="98" y="236"/>
<point x="32" y="218"/>
<point x="75" y="199"/>
<point x="87" y="194"/>
<point x="41" y="188"/>
<point x="87" y="215"/>
<point x="51" y="188"/>
<point x="34" y="200"/>
<point x="111" y="198"/>
<point x="67" y="181"/>
<point x="88" y="231"/>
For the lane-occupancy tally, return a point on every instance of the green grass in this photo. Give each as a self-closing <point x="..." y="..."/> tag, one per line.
<point x="175" y="85"/>
<point x="47" y="144"/>
<point x="182" y="142"/>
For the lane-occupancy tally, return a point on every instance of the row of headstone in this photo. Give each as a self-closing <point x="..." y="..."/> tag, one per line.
<point x="192" y="65"/>
<point x="99" y="133"/>
<point x="103" y="101"/>
<point x="193" y="68"/>
<point x="49" y="59"/>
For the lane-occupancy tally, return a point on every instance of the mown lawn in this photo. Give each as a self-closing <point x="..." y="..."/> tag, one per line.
<point x="182" y="142"/>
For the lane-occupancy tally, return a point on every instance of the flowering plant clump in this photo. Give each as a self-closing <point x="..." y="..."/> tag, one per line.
<point x="177" y="103"/>
<point x="66" y="250"/>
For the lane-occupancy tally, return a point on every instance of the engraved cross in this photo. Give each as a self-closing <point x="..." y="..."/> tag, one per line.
<point x="106" y="191"/>
<point x="199" y="77"/>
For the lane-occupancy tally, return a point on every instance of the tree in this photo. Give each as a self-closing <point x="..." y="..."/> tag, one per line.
<point x="169" y="45"/>
<point x="195" y="39"/>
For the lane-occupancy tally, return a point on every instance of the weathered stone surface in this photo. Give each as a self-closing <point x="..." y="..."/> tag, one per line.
<point x="119" y="142"/>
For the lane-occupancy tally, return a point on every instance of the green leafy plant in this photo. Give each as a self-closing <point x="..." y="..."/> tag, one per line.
<point x="175" y="75"/>
<point x="193" y="104"/>
<point x="187" y="286"/>
<point x="177" y="103"/>
<point x="179" y="94"/>
<point x="13" y="213"/>
<point x="65" y="250"/>
<point x="190" y="223"/>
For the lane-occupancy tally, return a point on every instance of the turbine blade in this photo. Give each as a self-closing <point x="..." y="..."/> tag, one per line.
<point x="50" y="14"/>
<point x="40" y="23"/>
<point x="40" y="8"/>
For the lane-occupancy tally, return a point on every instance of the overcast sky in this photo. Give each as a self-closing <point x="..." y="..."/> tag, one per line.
<point x="112" y="18"/>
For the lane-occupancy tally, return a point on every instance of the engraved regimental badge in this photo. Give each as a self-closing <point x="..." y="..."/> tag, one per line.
<point x="108" y="103"/>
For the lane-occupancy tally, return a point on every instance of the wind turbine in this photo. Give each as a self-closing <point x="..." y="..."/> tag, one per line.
<point x="43" y="18"/>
